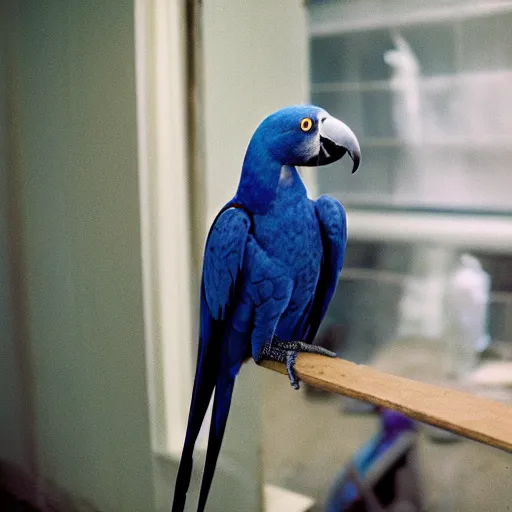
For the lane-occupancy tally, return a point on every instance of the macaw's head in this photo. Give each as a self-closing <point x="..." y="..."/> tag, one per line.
<point x="306" y="136"/>
<point x="302" y="135"/>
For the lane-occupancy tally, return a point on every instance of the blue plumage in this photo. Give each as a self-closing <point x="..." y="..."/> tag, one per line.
<point x="271" y="264"/>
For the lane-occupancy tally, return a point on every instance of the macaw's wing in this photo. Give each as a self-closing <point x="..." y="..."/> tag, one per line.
<point x="333" y="228"/>
<point x="220" y="349"/>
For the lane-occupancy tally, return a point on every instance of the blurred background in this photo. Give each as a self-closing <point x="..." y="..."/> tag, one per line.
<point x="123" y="126"/>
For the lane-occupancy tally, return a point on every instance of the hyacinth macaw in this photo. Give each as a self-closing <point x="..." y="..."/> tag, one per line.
<point x="271" y="265"/>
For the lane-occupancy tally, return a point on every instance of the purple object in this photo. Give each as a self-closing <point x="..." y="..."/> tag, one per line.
<point x="383" y="474"/>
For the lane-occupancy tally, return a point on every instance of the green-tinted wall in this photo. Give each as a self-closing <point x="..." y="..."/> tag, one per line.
<point x="73" y="80"/>
<point x="11" y="402"/>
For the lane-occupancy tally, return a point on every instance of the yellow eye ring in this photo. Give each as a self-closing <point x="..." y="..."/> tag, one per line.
<point x="306" y="124"/>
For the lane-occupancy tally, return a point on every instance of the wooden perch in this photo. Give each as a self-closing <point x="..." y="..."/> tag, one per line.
<point x="480" y="419"/>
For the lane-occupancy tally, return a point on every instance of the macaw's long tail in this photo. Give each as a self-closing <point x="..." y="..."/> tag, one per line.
<point x="221" y="405"/>
<point x="204" y="384"/>
<point x="217" y="367"/>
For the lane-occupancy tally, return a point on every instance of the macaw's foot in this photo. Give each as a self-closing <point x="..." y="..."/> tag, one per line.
<point x="287" y="351"/>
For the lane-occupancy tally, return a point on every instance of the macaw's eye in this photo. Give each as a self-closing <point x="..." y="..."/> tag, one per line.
<point x="306" y="124"/>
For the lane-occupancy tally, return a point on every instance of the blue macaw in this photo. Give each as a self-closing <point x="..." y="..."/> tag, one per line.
<point x="271" y="265"/>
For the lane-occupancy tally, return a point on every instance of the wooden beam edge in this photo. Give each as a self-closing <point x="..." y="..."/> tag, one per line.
<point x="474" y="417"/>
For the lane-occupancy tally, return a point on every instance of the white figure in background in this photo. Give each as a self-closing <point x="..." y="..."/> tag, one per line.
<point x="406" y="112"/>
<point x="421" y="312"/>
<point x="405" y="84"/>
<point x="467" y="305"/>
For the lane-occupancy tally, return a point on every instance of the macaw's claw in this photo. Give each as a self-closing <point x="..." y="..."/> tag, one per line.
<point x="287" y="351"/>
<point x="291" y="357"/>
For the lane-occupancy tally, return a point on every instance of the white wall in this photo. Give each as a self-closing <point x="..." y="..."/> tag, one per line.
<point x="255" y="57"/>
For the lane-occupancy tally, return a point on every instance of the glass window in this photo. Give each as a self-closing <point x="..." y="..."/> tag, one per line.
<point x="427" y="90"/>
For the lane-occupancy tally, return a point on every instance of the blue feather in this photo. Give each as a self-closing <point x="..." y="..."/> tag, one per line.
<point x="223" y="258"/>
<point x="333" y="228"/>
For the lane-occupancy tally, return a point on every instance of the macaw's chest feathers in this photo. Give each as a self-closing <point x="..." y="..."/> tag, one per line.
<point x="289" y="231"/>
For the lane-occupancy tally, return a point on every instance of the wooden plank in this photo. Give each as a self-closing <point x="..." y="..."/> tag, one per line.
<point x="471" y="416"/>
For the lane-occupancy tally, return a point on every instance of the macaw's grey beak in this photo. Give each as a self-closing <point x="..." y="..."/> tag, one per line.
<point x="336" y="139"/>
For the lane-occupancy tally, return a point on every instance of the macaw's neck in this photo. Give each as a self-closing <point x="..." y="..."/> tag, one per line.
<point x="261" y="177"/>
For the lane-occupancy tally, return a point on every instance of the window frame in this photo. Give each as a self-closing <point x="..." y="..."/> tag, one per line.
<point x="162" y="103"/>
